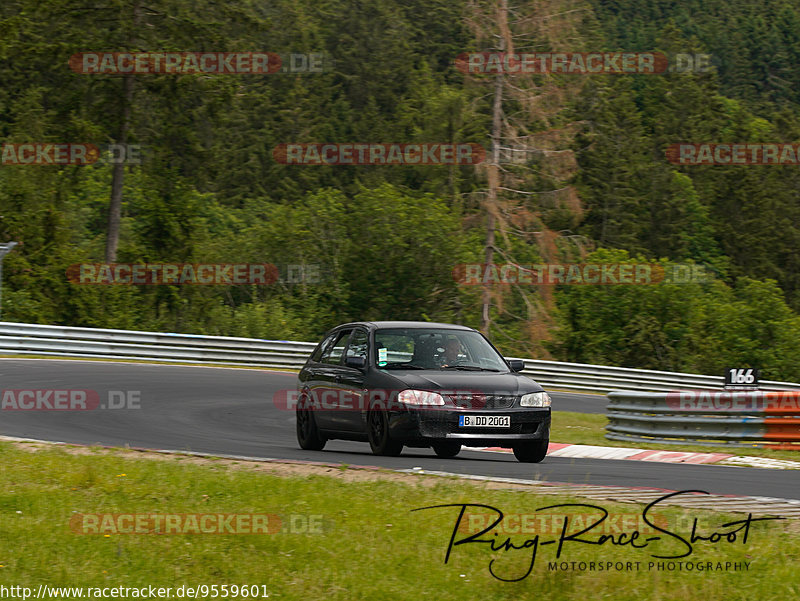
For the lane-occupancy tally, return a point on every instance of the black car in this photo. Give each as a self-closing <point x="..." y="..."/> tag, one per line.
<point x="418" y="384"/>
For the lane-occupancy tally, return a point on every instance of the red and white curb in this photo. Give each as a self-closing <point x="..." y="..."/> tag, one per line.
<point x="775" y="464"/>
<point x="581" y="451"/>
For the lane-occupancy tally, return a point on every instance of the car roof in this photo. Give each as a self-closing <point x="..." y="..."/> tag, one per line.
<point x="407" y="324"/>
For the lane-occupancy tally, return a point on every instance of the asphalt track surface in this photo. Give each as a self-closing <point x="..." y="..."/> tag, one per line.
<point x="231" y="411"/>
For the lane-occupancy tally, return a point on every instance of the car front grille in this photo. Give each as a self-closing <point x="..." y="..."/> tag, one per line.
<point x="483" y="401"/>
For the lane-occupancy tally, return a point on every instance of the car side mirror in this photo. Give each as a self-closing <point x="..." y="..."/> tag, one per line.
<point x="516" y="364"/>
<point x="357" y="362"/>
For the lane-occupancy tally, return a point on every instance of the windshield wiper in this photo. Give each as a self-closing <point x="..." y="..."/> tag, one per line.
<point x="401" y="366"/>
<point x="469" y="368"/>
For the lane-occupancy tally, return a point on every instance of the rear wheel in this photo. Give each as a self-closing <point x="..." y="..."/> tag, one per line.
<point x="308" y="436"/>
<point x="446" y="450"/>
<point x="531" y="452"/>
<point x="378" y="434"/>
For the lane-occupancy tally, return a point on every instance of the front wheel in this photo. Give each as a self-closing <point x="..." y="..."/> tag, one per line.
<point x="378" y="434"/>
<point x="531" y="452"/>
<point x="308" y="436"/>
<point x="446" y="450"/>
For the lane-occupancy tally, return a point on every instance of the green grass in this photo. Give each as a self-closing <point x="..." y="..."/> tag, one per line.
<point x="589" y="428"/>
<point x="371" y="546"/>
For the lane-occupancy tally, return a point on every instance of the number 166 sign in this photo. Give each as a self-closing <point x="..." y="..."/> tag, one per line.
<point x="747" y="376"/>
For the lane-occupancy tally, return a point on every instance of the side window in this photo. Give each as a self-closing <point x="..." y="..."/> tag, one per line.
<point x="322" y="346"/>
<point x="358" y="344"/>
<point x="333" y="352"/>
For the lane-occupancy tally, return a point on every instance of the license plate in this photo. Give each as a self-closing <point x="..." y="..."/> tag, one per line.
<point x="484" y="421"/>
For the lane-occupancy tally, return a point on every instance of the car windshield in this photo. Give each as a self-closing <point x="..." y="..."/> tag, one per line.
<point x="430" y="348"/>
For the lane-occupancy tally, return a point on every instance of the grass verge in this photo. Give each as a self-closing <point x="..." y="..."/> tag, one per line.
<point x="370" y="545"/>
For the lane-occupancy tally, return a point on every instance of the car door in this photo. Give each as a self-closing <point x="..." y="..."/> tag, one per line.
<point x="325" y="389"/>
<point x="310" y="372"/>
<point x="350" y="382"/>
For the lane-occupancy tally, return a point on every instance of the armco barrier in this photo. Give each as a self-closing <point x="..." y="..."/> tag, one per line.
<point x="709" y="417"/>
<point x="31" y="339"/>
<point x="58" y="341"/>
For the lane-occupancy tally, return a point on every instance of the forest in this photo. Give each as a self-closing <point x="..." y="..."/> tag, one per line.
<point x="575" y="169"/>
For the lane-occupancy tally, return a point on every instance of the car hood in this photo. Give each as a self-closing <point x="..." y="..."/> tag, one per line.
<point x="468" y="382"/>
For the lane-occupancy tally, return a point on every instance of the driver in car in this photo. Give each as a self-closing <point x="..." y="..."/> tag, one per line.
<point x="452" y="350"/>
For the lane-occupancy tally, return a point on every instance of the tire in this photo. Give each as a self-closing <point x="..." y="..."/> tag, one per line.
<point x="378" y="434"/>
<point x="308" y="436"/>
<point x="447" y="450"/>
<point x="531" y="452"/>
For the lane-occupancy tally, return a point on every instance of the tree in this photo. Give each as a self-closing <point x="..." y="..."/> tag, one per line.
<point x="529" y="160"/>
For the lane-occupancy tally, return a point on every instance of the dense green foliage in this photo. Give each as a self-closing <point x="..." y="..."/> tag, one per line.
<point x="388" y="237"/>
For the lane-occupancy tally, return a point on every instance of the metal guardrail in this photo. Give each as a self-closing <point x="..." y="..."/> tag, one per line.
<point x="708" y="417"/>
<point x="600" y="378"/>
<point x="31" y="339"/>
<point x="59" y="341"/>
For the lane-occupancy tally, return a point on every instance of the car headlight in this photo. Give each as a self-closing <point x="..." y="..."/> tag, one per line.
<point x="420" y="397"/>
<point x="535" y="399"/>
